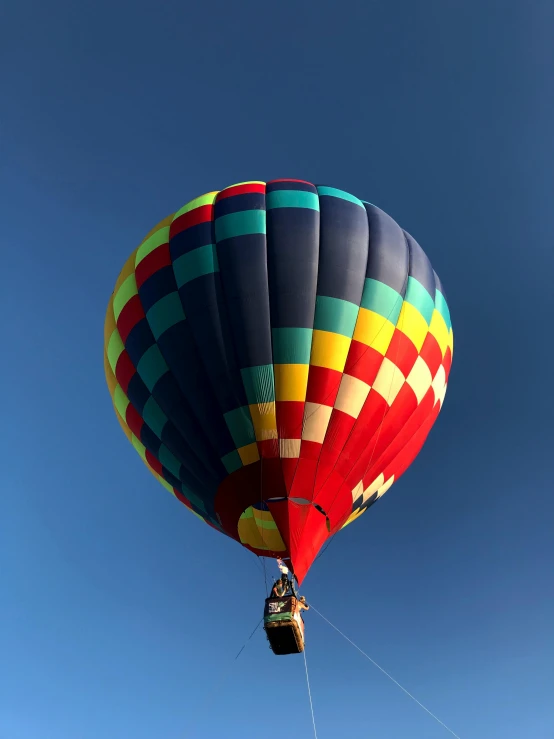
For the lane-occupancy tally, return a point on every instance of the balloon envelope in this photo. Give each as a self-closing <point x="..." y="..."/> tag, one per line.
<point x="277" y="354"/>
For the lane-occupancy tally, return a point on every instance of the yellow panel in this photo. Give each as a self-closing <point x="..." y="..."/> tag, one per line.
<point x="353" y="516"/>
<point x="252" y="531"/>
<point x="439" y="331"/>
<point x="316" y="420"/>
<point x="109" y="323"/>
<point x="373" y="330"/>
<point x="264" y="420"/>
<point x="389" y="380"/>
<point x="291" y="381"/>
<point x="451" y="341"/>
<point x="352" y="395"/>
<point x="249" y="453"/>
<point x="329" y="350"/>
<point x="412" y="324"/>
<point x="420" y="379"/>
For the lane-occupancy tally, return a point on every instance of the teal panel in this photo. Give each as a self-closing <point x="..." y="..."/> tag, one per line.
<point x="240" y="224"/>
<point x="259" y="383"/>
<point x="418" y="296"/>
<point x="165" y="313"/>
<point x="335" y="315"/>
<point x="292" y="199"/>
<point x="195" y="263"/>
<point x="292" y="345"/>
<point x="232" y="461"/>
<point x="239" y="423"/>
<point x="154" y="417"/>
<point x="152" y="366"/>
<point x="334" y="193"/>
<point x="169" y="461"/>
<point x="381" y="299"/>
<point x="442" y="307"/>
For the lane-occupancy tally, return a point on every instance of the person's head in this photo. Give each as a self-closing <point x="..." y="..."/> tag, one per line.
<point x="303" y="598"/>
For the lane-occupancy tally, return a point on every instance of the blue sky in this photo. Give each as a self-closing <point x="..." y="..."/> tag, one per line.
<point x="120" y="613"/>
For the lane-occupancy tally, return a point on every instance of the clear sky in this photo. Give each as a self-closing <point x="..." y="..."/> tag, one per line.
<point x="121" y="613"/>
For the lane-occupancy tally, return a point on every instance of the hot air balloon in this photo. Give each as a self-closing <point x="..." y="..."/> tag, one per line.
<point x="277" y="355"/>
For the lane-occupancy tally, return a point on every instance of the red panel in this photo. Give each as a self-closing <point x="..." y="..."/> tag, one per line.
<point x="310" y="449"/>
<point x="363" y="362"/>
<point x="338" y="431"/>
<point x="358" y="447"/>
<point x="192" y="218"/>
<point x="303" y="483"/>
<point x="287" y="180"/>
<point x="290" y="415"/>
<point x="268" y="448"/>
<point x="402" y="439"/>
<point x="154" y="463"/>
<point x="229" y="192"/>
<point x="131" y="314"/>
<point x="431" y="354"/>
<point x="402" y="352"/>
<point x="124" y="370"/>
<point x="155" y="261"/>
<point x="447" y="361"/>
<point x="289" y="465"/>
<point x="134" y="421"/>
<point x="323" y="385"/>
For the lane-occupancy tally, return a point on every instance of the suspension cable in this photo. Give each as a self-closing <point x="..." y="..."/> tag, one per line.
<point x="309" y="691"/>
<point x="385" y="672"/>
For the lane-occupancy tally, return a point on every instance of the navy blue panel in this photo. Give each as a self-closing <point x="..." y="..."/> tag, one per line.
<point x="158" y="285"/>
<point x="420" y="266"/>
<point x="439" y="286"/>
<point x="291" y="185"/>
<point x="140" y="339"/>
<point x="206" y="313"/>
<point x="236" y="203"/>
<point x="388" y="260"/>
<point x="343" y="248"/>
<point x="179" y="351"/>
<point x="243" y="269"/>
<point x="292" y="263"/>
<point x="150" y="440"/>
<point x="138" y="393"/>
<point x="191" y="238"/>
<point x="171" y="479"/>
<point x="200" y="458"/>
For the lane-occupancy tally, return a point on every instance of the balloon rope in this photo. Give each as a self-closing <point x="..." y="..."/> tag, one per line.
<point x="383" y="671"/>
<point x="309" y="691"/>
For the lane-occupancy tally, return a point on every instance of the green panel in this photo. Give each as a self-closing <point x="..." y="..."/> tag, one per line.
<point x="442" y="307"/>
<point x="335" y="315"/>
<point x="239" y="423"/>
<point x="127" y="290"/>
<point x="115" y="349"/>
<point x="232" y="461"/>
<point x="259" y="383"/>
<point x="165" y="313"/>
<point x="195" y="263"/>
<point x="381" y="299"/>
<point x="333" y="192"/>
<point x="207" y="199"/>
<point x="292" y="199"/>
<point x="152" y="366"/>
<point x="169" y="461"/>
<point x="154" y="417"/>
<point x="194" y="498"/>
<point x="418" y="296"/>
<point x="121" y="402"/>
<point x="291" y="345"/>
<point x="240" y="224"/>
<point x="161" y="236"/>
